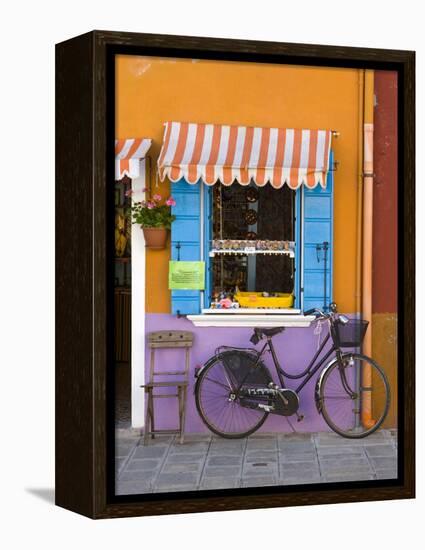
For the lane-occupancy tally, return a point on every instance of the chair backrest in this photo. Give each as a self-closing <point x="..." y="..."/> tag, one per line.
<point x="168" y="339"/>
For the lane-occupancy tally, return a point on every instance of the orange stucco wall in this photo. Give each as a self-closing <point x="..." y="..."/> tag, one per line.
<point x="150" y="91"/>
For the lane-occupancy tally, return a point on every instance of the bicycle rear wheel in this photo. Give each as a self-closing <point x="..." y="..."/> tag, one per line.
<point x="224" y="412"/>
<point x="354" y="397"/>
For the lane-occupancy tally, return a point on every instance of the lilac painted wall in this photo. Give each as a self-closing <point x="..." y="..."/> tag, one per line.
<point x="294" y="348"/>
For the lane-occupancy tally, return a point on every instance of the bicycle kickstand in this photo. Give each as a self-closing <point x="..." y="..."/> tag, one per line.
<point x="290" y="424"/>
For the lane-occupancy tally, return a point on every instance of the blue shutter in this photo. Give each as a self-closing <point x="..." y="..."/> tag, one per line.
<point x="298" y="248"/>
<point x="317" y="210"/>
<point x="186" y="232"/>
<point x="208" y="226"/>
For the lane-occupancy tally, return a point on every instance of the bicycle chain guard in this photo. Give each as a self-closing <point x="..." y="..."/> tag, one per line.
<point x="286" y="402"/>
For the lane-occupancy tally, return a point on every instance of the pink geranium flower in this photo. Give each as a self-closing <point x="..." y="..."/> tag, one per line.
<point x="170" y="202"/>
<point x="150" y="205"/>
<point x="157" y="197"/>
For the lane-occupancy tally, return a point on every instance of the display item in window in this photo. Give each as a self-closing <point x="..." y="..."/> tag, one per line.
<point x="243" y="244"/>
<point x="251" y="217"/>
<point x="276" y="300"/>
<point x="120" y="232"/>
<point x="224" y="300"/>
<point x="252" y="194"/>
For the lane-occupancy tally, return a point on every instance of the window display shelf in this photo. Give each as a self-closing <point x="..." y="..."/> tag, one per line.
<point x="289" y="253"/>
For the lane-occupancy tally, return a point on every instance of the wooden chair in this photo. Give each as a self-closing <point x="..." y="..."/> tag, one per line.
<point x="167" y="339"/>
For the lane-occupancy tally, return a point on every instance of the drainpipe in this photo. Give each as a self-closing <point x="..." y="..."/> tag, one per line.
<point x="358" y="290"/>
<point x="359" y="220"/>
<point x="366" y="415"/>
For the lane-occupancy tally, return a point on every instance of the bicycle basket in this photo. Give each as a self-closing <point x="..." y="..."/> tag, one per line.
<point x="351" y="334"/>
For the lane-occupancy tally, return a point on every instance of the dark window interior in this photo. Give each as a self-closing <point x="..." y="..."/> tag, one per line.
<point x="252" y="213"/>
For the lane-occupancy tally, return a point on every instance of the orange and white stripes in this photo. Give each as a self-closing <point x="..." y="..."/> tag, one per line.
<point x="213" y="152"/>
<point x="128" y="154"/>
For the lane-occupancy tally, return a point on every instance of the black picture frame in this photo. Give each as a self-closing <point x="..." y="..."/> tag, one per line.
<point x="84" y="204"/>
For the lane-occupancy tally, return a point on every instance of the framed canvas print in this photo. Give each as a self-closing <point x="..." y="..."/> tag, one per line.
<point x="235" y="274"/>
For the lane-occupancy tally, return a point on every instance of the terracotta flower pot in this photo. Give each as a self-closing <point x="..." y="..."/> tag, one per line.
<point x="155" y="237"/>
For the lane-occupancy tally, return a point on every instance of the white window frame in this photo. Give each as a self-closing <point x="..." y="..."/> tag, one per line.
<point x="291" y="317"/>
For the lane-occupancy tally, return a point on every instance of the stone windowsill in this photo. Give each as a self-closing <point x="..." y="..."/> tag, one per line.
<point x="251" y="320"/>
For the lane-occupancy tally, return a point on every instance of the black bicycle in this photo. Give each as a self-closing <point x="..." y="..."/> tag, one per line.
<point x="235" y="391"/>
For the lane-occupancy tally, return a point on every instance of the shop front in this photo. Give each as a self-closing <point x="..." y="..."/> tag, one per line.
<point x="264" y="197"/>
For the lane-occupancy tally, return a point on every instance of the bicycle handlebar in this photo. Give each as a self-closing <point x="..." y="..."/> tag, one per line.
<point x="333" y="310"/>
<point x="332" y="315"/>
<point x="317" y="312"/>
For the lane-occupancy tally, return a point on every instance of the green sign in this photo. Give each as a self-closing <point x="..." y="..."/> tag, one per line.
<point x="186" y="276"/>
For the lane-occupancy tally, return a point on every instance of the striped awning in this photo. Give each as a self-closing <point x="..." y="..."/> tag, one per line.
<point x="214" y="152"/>
<point x="128" y="154"/>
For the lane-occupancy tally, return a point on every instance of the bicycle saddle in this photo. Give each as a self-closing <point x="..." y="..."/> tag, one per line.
<point x="268" y="331"/>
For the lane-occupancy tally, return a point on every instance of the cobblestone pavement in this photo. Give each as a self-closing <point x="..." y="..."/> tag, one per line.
<point x="209" y="462"/>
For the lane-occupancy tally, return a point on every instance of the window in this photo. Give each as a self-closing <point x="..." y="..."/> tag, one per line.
<point x="307" y="223"/>
<point x="252" y="250"/>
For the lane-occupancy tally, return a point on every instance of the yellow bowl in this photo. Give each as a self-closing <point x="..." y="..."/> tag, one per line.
<point x="257" y="300"/>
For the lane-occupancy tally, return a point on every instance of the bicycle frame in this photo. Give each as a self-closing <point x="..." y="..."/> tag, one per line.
<point x="311" y="369"/>
<point x="307" y="373"/>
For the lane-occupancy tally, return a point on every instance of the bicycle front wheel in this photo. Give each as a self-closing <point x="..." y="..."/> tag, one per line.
<point x="354" y="396"/>
<point x="222" y="410"/>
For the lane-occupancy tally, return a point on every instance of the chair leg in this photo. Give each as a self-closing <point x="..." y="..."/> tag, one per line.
<point x="147" y="419"/>
<point x="179" y="400"/>
<point x="183" y="396"/>
<point x="152" y="416"/>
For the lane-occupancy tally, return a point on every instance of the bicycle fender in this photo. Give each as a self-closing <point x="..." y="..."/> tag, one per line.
<point x="198" y="370"/>
<point x="320" y="380"/>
